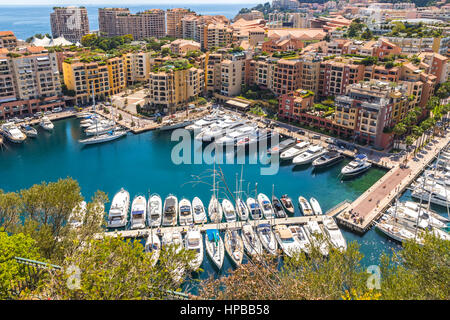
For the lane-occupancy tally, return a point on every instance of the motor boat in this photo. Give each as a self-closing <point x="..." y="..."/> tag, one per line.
<point x="154" y="210"/>
<point x="12" y="133"/>
<point x="316" y="236"/>
<point x="170" y="211"/>
<point x="172" y="125"/>
<point x="294" y="151"/>
<point x="254" y="138"/>
<point x="215" y="211"/>
<point x="357" y="166"/>
<point x="153" y="246"/>
<point x="77" y="215"/>
<point x="299" y="233"/>
<point x="282" y="146"/>
<point x="118" y="213"/>
<point x="215" y="247"/>
<point x="334" y="234"/>
<point x="228" y="210"/>
<point x="193" y="241"/>
<point x="308" y="156"/>
<point x="328" y="159"/>
<point x="305" y="207"/>
<point x="242" y="209"/>
<point x="199" y="212"/>
<point x="46" y="124"/>
<point x="265" y="206"/>
<point x="233" y="137"/>
<point x="264" y="231"/>
<point x="436" y="195"/>
<point x="234" y="246"/>
<point x="172" y="241"/>
<point x="255" y="210"/>
<point x="286" y="240"/>
<point x="104" y="126"/>
<point x="278" y="208"/>
<point x="252" y="243"/>
<point x="315" y="206"/>
<point x="287" y="203"/>
<point x="138" y="212"/>
<point x="29" y="131"/>
<point x="185" y="213"/>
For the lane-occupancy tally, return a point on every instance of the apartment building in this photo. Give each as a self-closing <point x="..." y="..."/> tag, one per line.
<point x="137" y="67"/>
<point x="418" y="45"/>
<point x="172" y="87"/>
<point x="95" y="75"/>
<point x="286" y="76"/>
<point x="337" y="74"/>
<point x="435" y="64"/>
<point x="119" y="22"/>
<point x="70" y="22"/>
<point x="214" y="35"/>
<point x="296" y="103"/>
<point x="282" y="44"/>
<point x="174" y="21"/>
<point x="29" y="82"/>
<point x="8" y="40"/>
<point x="213" y="72"/>
<point x="182" y="46"/>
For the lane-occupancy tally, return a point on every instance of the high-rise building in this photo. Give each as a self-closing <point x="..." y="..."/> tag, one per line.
<point x="119" y="22"/>
<point x="70" y="22"/>
<point x="174" y="24"/>
<point x="8" y="40"/>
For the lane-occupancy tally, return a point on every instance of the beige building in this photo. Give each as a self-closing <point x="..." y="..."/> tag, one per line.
<point x="137" y="67"/>
<point x="174" y="18"/>
<point x="70" y="22"/>
<point x="8" y="40"/>
<point x="182" y="46"/>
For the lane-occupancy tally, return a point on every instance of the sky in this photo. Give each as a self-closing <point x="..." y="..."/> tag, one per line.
<point x="120" y="2"/>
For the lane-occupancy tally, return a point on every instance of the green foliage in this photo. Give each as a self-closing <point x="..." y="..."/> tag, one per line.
<point x="11" y="273"/>
<point x="105" y="43"/>
<point x="443" y="91"/>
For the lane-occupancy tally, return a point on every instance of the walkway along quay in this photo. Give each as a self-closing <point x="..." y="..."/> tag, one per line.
<point x="361" y="214"/>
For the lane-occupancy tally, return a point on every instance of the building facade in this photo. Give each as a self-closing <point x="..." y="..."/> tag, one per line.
<point x="70" y="22"/>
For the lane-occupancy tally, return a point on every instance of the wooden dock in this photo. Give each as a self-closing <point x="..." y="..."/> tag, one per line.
<point x="364" y="211"/>
<point x="203" y="227"/>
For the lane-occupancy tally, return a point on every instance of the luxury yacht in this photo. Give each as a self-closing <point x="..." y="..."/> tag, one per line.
<point x="402" y="210"/>
<point x="294" y="151"/>
<point x="138" y="212"/>
<point x="283" y="145"/>
<point x="228" y="210"/>
<point x="308" y="156"/>
<point x="170" y="211"/>
<point x="305" y="207"/>
<point x="328" y="159"/>
<point x="185" y="213"/>
<point x="29" y="131"/>
<point x="12" y="133"/>
<point x="172" y="125"/>
<point x="46" y="124"/>
<point x="232" y="137"/>
<point x="436" y="195"/>
<point x="154" y="211"/>
<point x="334" y="234"/>
<point x="357" y="166"/>
<point x="266" y="206"/>
<point x="286" y="240"/>
<point x="105" y="137"/>
<point x="199" y="211"/>
<point x="118" y="213"/>
<point x="253" y="138"/>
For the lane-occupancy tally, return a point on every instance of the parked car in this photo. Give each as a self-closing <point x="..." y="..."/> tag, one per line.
<point x="316" y="136"/>
<point x="329" y="140"/>
<point x="301" y="132"/>
<point x="57" y="109"/>
<point x="47" y="113"/>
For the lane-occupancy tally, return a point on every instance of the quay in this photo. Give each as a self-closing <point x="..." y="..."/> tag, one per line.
<point x="139" y="233"/>
<point x="53" y="117"/>
<point x="365" y="210"/>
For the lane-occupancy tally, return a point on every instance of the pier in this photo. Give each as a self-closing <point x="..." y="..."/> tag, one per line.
<point x="139" y="233"/>
<point x="373" y="203"/>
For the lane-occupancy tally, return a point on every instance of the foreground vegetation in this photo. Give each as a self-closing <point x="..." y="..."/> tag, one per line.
<point x="34" y="226"/>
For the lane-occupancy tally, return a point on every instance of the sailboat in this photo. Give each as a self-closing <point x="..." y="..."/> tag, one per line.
<point x="267" y="237"/>
<point x="241" y="207"/>
<point x="214" y="208"/>
<point x="215" y="247"/>
<point x="266" y="206"/>
<point x="234" y="246"/>
<point x="252" y="243"/>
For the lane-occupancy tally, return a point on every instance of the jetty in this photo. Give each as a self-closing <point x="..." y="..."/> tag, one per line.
<point x="139" y="233"/>
<point x="361" y="214"/>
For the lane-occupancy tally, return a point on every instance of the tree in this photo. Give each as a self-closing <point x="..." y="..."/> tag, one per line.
<point x="11" y="206"/>
<point x="399" y="130"/>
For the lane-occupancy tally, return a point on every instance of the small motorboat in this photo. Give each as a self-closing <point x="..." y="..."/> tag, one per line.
<point x="288" y="243"/>
<point x="138" y="212"/>
<point x="193" y="241"/>
<point x="228" y="210"/>
<point x="29" y="131"/>
<point x="154" y="211"/>
<point x="153" y="246"/>
<point x="315" y="206"/>
<point x="266" y="206"/>
<point x="255" y="210"/>
<point x="185" y="213"/>
<point x="199" y="212"/>
<point x="305" y="207"/>
<point x="287" y="203"/>
<point x="278" y="207"/>
<point x="46" y="124"/>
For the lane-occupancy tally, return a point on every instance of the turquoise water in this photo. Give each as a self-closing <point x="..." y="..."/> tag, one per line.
<point x="26" y="21"/>
<point x="142" y="163"/>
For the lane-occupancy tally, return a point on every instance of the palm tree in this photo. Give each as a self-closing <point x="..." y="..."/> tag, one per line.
<point x="399" y="130"/>
<point x="417" y="133"/>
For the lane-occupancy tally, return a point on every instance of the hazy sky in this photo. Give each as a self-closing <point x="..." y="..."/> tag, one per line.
<point x="123" y="3"/>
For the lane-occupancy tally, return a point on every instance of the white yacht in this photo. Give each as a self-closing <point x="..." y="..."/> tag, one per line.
<point x="214" y="131"/>
<point x="356" y="166"/>
<point x="118" y="213"/>
<point x="305" y="207"/>
<point x="153" y="246"/>
<point x="395" y="231"/>
<point x="266" y="206"/>
<point x="193" y="241"/>
<point x="308" y="156"/>
<point x="328" y="159"/>
<point x="138" y="212"/>
<point x="185" y="213"/>
<point x="242" y="209"/>
<point x="200" y="124"/>
<point x="254" y="208"/>
<point x="315" y="206"/>
<point x="234" y="246"/>
<point x="254" y="138"/>
<point x="402" y="210"/>
<point x="316" y="236"/>
<point x="12" y="133"/>
<point x="215" y="247"/>
<point x="228" y="210"/>
<point x="292" y="152"/>
<point x="170" y="211"/>
<point x="29" y="131"/>
<point x="105" y="137"/>
<point x="283" y="145"/>
<point x="199" y="211"/>
<point x="103" y="127"/>
<point x="436" y="195"/>
<point x="252" y="243"/>
<point x="46" y="124"/>
<point x="278" y="207"/>
<point x="286" y="240"/>
<point x="77" y="215"/>
<point x="299" y="233"/>
<point x="267" y="237"/>
<point x="174" y="241"/>
<point x="215" y="211"/>
<point x="232" y="137"/>
<point x="334" y="234"/>
<point x="171" y="124"/>
<point x="154" y="210"/>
